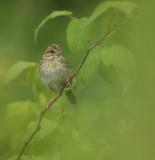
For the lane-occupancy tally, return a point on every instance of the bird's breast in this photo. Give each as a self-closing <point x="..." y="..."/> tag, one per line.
<point x="54" y="73"/>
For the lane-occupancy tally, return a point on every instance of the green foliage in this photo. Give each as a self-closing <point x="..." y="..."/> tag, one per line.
<point x="18" y="108"/>
<point x="15" y="157"/>
<point x="29" y="158"/>
<point x="86" y="121"/>
<point x="118" y="56"/>
<point x="78" y="35"/>
<point x="16" y="69"/>
<point x="33" y="77"/>
<point x="97" y="127"/>
<point x="126" y="7"/>
<point x="114" y="111"/>
<point x="47" y="127"/>
<point x="53" y="15"/>
<point x="90" y="68"/>
<point x="123" y="60"/>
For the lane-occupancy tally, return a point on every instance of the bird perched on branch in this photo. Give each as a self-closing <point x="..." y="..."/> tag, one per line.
<point x="55" y="71"/>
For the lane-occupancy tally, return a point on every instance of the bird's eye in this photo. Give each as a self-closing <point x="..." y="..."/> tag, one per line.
<point x="52" y="51"/>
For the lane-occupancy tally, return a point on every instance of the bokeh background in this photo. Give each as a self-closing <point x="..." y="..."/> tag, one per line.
<point x="122" y="127"/>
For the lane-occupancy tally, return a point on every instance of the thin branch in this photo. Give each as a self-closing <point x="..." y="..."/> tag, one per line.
<point x="58" y="95"/>
<point x="38" y="126"/>
<point x="102" y="38"/>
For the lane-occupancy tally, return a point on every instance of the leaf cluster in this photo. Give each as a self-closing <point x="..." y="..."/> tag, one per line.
<point x="62" y="131"/>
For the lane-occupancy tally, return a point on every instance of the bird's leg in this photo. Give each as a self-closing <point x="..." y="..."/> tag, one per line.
<point x="49" y="107"/>
<point x="68" y="83"/>
<point x="52" y="100"/>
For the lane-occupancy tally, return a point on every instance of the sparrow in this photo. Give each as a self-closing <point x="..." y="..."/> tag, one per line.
<point x="55" y="71"/>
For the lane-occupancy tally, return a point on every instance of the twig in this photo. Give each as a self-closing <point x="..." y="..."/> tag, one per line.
<point x="102" y="38"/>
<point x="38" y="126"/>
<point x="58" y="95"/>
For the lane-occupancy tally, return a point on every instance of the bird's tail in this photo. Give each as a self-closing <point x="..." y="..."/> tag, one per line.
<point x="71" y="97"/>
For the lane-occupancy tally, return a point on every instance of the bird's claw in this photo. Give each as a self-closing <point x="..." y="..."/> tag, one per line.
<point x="68" y="83"/>
<point x="48" y="107"/>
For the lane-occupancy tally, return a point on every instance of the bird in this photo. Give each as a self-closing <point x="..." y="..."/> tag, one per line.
<point x="55" y="71"/>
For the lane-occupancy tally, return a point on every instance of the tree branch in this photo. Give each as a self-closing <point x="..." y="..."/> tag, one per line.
<point x="102" y="38"/>
<point x="58" y="95"/>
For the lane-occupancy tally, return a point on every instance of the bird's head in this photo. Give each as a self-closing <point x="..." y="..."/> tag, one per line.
<point x="52" y="50"/>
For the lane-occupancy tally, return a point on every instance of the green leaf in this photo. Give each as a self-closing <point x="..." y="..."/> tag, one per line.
<point x="90" y="67"/>
<point x="18" y="108"/>
<point x="33" y="77"/>
<point x="123" y="60"/>
<point x="15" y="158"/>
<point x="16" y="69"/>
<point x="42" y="99"/>
<point x="126" y="7"/>
<point x="53" y="15"/>
<point x="29" y="158"/>
<point x="87" y="117"/>
<point x="57" y="156"/>
<point x="78" y="35"/>
<point x="37" y="81"/>
<point x="114" y="111"/>
<point x="118" y="56"/>
<point x="117" y="118"/>
<point x="47" y="127"/>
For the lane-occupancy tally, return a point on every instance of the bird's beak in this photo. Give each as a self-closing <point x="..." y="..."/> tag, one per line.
<point x="48" y="54"/>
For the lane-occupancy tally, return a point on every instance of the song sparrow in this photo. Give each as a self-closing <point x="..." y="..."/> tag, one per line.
<point x="55" y="71"/>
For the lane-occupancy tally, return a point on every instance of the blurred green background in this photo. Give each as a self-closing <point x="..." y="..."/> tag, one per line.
<point x="106" y="125"/>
